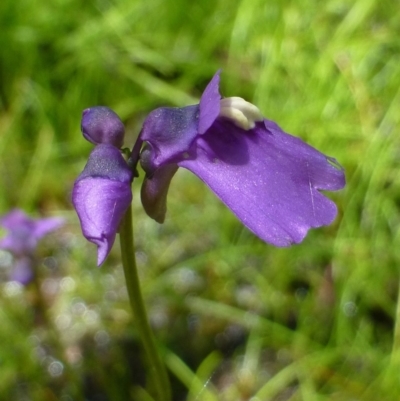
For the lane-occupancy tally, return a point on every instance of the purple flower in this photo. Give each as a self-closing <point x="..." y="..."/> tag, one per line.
<point x="22" y="239"/>
<point x="24" y="233"/>
<point x="269" y="179"/>
<point x="101" y="196"/>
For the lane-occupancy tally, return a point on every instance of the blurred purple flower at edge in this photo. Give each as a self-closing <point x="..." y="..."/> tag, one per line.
<point x="22" y="239"/>
<point x="269" y="179"/>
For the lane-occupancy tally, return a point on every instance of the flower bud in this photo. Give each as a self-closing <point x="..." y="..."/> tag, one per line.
<point x="100" y="125"/>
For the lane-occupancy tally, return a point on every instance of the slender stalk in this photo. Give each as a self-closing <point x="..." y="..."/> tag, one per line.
<point x="157" y="368"/>
<point x="395" y="357"/>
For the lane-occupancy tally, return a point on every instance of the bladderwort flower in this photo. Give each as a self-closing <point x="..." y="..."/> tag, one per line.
<point x="22" y="239"/>
<point x="102" y="192"/>
<point x="268" y="178"/>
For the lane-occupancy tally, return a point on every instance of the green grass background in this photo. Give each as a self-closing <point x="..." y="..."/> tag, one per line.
<point x="236" y="318"/>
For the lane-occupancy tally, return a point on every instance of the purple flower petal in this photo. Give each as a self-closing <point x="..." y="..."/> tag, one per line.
<point x="48" y="225"/>
<point x="170" y="132"/>
<point x="209" y="104"/>
<point x="101" y="196"/>
<point x="155" y="190"/>
<point x="101" y="204"/>
<point x="268" y="178"/>
<point x="101" y="125"/>
<point x="14" y="218"/>
<point x="24" y="232"/>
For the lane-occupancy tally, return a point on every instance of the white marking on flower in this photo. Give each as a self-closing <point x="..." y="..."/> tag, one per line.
<point x="241" y="113"/>
<point x="311" y="189"/>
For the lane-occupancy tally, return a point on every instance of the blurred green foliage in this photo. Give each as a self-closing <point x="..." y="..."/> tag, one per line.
<point x="236" y="319"/>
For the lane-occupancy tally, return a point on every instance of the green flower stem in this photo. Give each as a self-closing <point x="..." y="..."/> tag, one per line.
<point x="396" y="334"/>
<point x="159" y="374"/>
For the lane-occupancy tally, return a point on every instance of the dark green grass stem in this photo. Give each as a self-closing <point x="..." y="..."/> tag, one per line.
<point x="159" y="377"/>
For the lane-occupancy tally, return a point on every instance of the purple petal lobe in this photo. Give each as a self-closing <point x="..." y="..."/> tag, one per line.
<point x="101" y="196"/>
<point x="170" y="131"/>
<point x="48" y="225"/>
<point x="15" y="218"/>
<point x="102" y="125"/>
<point x="101" y="204"/>
<point x="24" y="232"/>
<point x="209" y="104"/>
<point x="268" y="178"/>
<point x="154" y="192"/>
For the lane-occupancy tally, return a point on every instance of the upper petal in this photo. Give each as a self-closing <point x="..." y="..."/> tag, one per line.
<point x="170" y="132"/>
<point x="210" y="104"/>
<point x="14" y="218"/>
<point x="269" y="179"/>
<point x="100" y="124"/>
<point x="45" y="226"/>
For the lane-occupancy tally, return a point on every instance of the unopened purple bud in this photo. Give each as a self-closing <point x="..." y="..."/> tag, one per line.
<point x="101" y="125"/>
